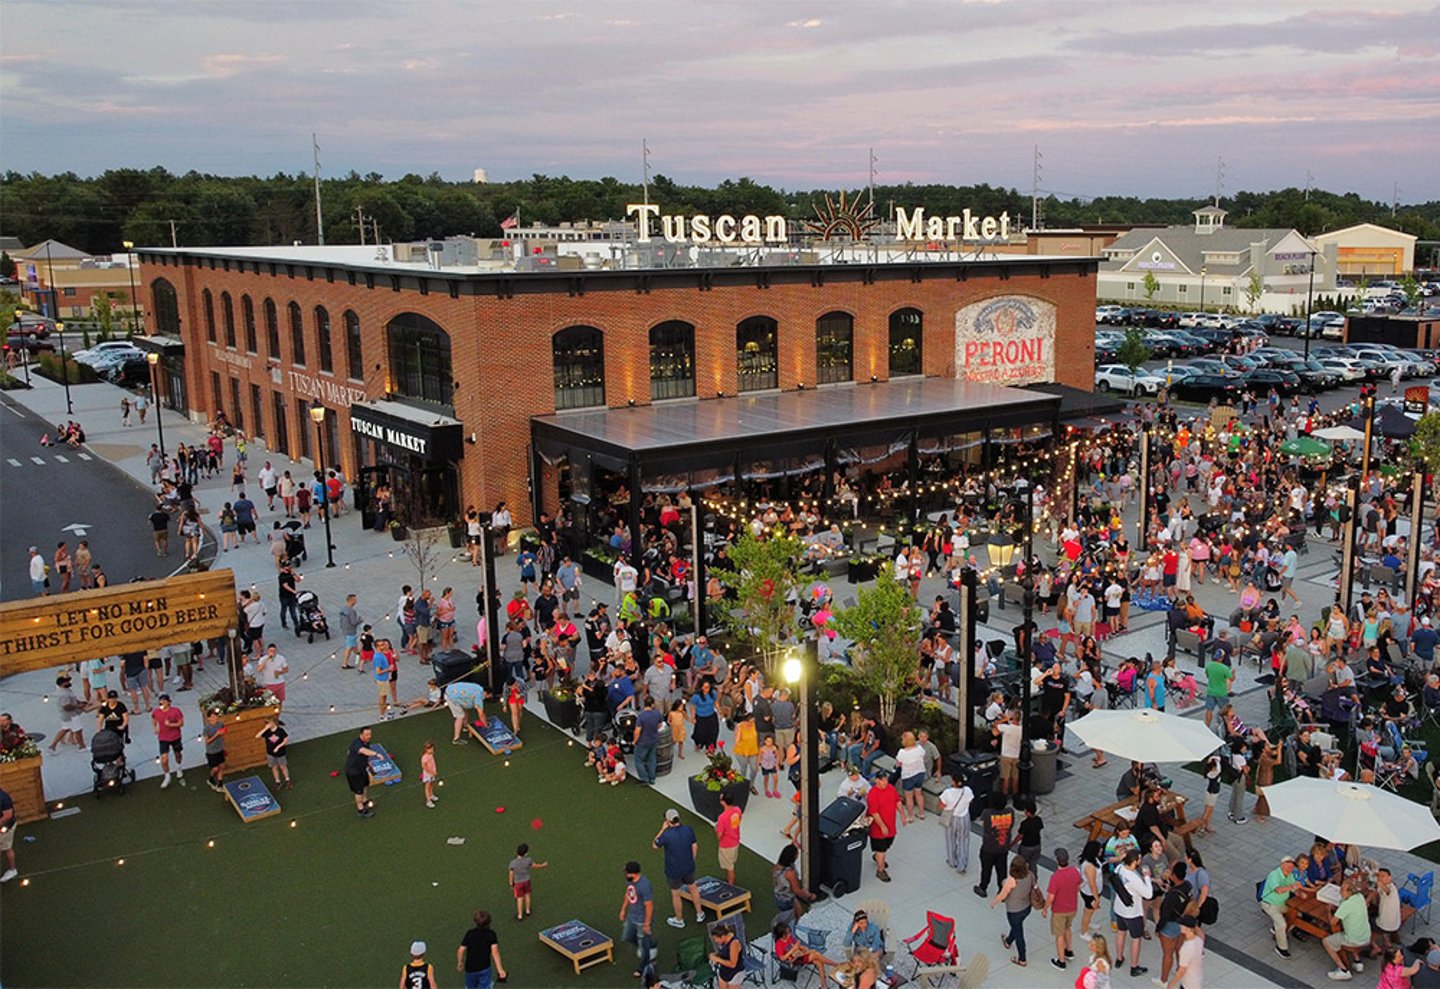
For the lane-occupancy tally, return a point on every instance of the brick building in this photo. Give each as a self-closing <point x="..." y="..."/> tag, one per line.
<point x="431" y="376"/>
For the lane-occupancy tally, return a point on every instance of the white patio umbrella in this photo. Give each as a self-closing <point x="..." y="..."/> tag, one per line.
<point x="1339" y="433"/>
<point x="1352" y="813"/>
<point x="1146" y="735"/>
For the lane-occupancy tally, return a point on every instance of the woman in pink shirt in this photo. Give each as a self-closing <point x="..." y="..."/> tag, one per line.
<point x="445" y="618"/>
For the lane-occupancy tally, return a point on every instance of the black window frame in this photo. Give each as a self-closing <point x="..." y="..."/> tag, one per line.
<point x="419" y="355"/>
<point x="247" y="318"/>
<point x="757" y="366"/>
<point x="901" y="328"/>
<point x="207" y="304"/>
<point x="830" y="345"/>
<point x="167" y="307"/>
<point x="354" y="346"/>
<point x="578" y="355"/>
<point x="227" y="318"/>
<point x="672" y="360"/>
<point x="297" y="334"/>
<point x="324" y="348"/>
<point x="272" y="330"/>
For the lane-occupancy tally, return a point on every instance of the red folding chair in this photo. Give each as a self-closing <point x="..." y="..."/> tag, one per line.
<point x="935" y="945"/>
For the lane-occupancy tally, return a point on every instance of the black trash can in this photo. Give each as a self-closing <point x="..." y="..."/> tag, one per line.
<point x="453" y="665"/>
<point x="843" y="837"/>
<point x="979" y="770"/>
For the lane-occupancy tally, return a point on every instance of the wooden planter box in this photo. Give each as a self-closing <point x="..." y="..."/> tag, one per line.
<point x="22" y="780"/>
<point x="596" y="569"/>
<point x="242" y="749"/>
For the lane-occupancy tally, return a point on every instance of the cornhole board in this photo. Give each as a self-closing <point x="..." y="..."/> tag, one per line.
<point x="722" y="897"/>
<point x="495" y="736"/>
<point x="383" y="769"/>
<point x="579" y="942"/>
<point x="251" y="799"/>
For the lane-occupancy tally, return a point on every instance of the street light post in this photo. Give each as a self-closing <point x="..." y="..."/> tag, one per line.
<point x="64" y="368"/>
<point x="1027" y="597"/>
<point x="153" y="359"/>
<point x="1309" y="301"/>
<point x="317" y="416"/>
<point x="1202" y="288"/>
<point x="134" y="310"/>
<point x="800" y="670"/>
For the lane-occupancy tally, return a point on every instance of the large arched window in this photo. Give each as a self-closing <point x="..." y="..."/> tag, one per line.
<point x="354" y="354"/>
<point x="757" y="356"/>
<point x="672" y="360"/>
<point x="579" y="354"/>
<point x="907" y="342"/>
<point x="247" y="316"/>
<point x="207" y="301"/>
<point x="834" y="348"/>
<point x="272" y="330"/>
<point x="227" y="317"/>
<point x="167" y="307"/>
<point x="325" y="353"/>
<point x="297" y="334"/>
<point x="419" y="359"/>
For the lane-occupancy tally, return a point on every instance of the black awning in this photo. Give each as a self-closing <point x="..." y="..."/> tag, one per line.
<point x="1077" y="404"/>
<point x="691" y="434"/>
<point x="162" y="345"/>
<point x="433" y="437"/>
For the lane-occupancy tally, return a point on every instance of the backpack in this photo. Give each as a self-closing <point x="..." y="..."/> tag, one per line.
<point x="1210" y="911"/>
<point x="1121" y="893"/>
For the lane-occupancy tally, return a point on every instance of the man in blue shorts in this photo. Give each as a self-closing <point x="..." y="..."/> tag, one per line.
<point x="458" y="697"/>
<point x="677" y="840"/>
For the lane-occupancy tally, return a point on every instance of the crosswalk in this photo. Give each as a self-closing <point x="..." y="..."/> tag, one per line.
<point x="38" y="461"/>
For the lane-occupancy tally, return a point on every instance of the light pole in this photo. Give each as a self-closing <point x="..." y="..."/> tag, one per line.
<point x="1309" y="301"/>
<point x="64" y="368"/>
<point x="800" y="670"/>
<point x="134" y="310"/>
<point x="317" y="416"/>
<point x="1027" y="658"/>
<point x="153" y="359"/>
<point x="1202" y="288"/>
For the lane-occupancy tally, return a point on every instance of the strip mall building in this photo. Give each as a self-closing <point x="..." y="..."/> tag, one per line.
<point x="465" y="384"/>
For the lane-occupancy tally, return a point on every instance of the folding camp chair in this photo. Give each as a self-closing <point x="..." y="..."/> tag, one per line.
<point x="1415" y="893"/>
<point x="751" y="958"/>
<point x="692" y="959"/>
<point x="810" y="937"/>
<point x="935" y="944"/>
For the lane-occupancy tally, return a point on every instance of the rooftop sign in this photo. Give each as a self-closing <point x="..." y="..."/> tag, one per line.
<point x="846" y="218"/>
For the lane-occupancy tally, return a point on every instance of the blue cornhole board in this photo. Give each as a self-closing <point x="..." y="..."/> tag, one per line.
<point x="495" y="736"/>
<point x="383" y="769"/>
<point x="251" y="799"/>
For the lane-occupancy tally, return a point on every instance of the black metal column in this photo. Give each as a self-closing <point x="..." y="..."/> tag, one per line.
<point x="697" y="563"/>
<point x="1027" y="758"/>
<point x="810" y="841"/>
<point x="1417" y="519"/>
<point x="968" y="615"/>
<point x="1142" y="527"/>
<point x="633" y="516"/>
<point x="491" y="597"/>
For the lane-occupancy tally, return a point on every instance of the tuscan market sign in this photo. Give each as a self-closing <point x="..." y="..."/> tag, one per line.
<point x="42" y="632"/>
<point x="1007" y="341"/>
<point x="852" y="218"/>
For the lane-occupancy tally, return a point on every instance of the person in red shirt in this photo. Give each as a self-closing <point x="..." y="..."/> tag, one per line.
<point x="882" y="803"/>
<point x="169" y="722"/>
<point x="1169" y="568"/>
<point x="727" y="831"/>
<point x="1062" y="901"/>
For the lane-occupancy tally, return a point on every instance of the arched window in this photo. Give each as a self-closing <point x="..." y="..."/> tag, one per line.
<point x="907" y="342"/>
<point x="208" y="302"/>
<point x="297" y="335"/>
<point x="756" y="353"/>
<point x="247" y="316"/>
<point x="272" y="330"/>
<point x="167" y="307"/>
<point x="227" y="317"/>
<point x="419" y="359"/>
<point x="579" y="354"/>
<point x="834" y="348"/>
<point x="354" y="355"/>
<point x="672" y="360"/>
<point x="326" y="354"/>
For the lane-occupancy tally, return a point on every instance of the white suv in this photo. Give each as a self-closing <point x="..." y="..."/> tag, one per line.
<point x="1118" y="377"/>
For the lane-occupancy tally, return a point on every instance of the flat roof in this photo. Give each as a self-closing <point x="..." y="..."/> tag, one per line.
<point x="774" y="424"/>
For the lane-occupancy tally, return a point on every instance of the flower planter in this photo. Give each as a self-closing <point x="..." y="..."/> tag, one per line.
<point x="399" y="533"/>
<point x="563" y="713"/>
<point x="22" y="780"/>
<point x="707" y="801"/>
<point x="596" y="568"/>
<point x="242" y="749"/>
<point x="456" y="533"/>
<point x="862" y="570"/>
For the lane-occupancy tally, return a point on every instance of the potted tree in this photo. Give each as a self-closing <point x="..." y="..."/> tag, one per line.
<point x="719" y="776"/>
<point x="560" y="705"/>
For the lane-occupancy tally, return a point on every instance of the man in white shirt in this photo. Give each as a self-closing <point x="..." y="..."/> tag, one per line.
<point x="1131" y="916"/>
<point x="269" y="481"/>
<point x="1189" y="969"/>
<point x="902" y="566"/>
<point x="1010" y="736"/>
<point x="626" y="579"/>
<point x="854" y="786"/>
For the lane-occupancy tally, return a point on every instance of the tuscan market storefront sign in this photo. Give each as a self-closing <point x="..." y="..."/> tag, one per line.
<point x="838" y="216"/>
<point x="431" y="437"/>
<point x="1006" y="341"/>
<point x="67" y="628"/>
<point x="326" y="390"/>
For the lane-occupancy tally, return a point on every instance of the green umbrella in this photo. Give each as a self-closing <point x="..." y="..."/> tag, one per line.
<point x="1305" y="446"/>
<point x="1389" y="470"/>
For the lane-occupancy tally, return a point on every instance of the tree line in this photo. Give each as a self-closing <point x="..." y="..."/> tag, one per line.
<point x="98" y="214"/>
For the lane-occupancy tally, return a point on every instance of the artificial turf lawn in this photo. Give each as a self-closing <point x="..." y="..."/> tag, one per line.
<point x="336" y="899"/>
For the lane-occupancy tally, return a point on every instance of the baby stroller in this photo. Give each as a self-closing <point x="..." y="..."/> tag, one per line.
<point x="295" y="541"/>
<point x="625" y="731"/>
<point x="107" y="759"/>
<point x="312" y="620"/>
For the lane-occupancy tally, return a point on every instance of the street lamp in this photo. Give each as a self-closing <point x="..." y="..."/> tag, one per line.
<point x="1309" y="301"/>
<point x="799" y="670"/>
<point x="64" y="368"/>
<point x="317" y="416"/>
<point x="153" y="359"/>
<point x="130" y="264"/>
<point x="1202" y="288"/>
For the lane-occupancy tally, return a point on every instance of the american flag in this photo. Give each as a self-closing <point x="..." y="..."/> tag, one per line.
<point x="513" y="220"/>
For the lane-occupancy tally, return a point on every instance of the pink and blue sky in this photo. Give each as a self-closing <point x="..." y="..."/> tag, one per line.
<point x="1121" y="97"/>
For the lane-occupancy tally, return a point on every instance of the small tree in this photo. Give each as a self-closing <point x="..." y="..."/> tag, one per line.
<point x="884" y="624"/>
<point x="1152" y="285"/>
<point x="422" y="550"/>
<point x="1254" y="290"/>
<point x="1411" y="287"/>
<point x="1134" y="351"/>
<point x="763" y="575"/>
<point x="103" y="311"/>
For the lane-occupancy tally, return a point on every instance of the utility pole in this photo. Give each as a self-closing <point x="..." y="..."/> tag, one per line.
<point x="1219" y="178"/>
<point x="375" y="230"/>
<point x="1395" y="198"/>
<point x="645" y="171"/>
<point x="1035" y="190"/>
<point x="359" y="215"/>
<point x="1309" y="183"/>
<point x="319" y="217"/>
<point x="873" y="162"/>
<point x="174" y="240"/>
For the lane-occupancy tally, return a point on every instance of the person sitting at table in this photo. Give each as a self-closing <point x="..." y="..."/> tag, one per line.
<point x="1149" y="826"/>
<point x="1378" y="668"/>
<point x="792" y="954"/>
<point x="1279" y="886"/>
<point x="1339" y="673"/>
<point x="1249" y="605"/>
<point x="1350" y="928"/>
<point x="1405" y="764"/>
<point x="1133" y="779"/>
<point x="863" y="937"/>
<point x="1324" y="866"/>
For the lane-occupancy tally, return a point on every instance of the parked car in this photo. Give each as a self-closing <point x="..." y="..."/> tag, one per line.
<point x="1164" y="343"/>
<point x="108" y="352"/>
<point x="1260" y="382"/>
<point x="1277" y="325"/>
<point x="1203" y="387"/>
<point x="1240" y="364"/>
<point x="1316" y="377"/>
<point x="1107" y="314"/>
<point x="1118" y="377"/>
<point x="33" y="342"/>
<point x="1209" y="365"/>
<point x="1348" y="369"/>
<point x="128" y="372"/>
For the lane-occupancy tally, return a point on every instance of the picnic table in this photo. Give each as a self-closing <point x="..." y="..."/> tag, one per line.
<point x="1312" y="912"/>
<point x="1097" y="823"/>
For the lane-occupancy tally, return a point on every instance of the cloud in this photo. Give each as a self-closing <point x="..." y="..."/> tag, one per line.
<point x="233" y="63"/>
<point x="812" y="22"/>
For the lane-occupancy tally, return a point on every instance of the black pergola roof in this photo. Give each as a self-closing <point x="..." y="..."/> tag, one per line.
<point x="1076" y="404"/>
<point x="691" y="435"/>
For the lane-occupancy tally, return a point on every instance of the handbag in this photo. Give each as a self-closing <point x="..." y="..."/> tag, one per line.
<point x="1037" y="898"/>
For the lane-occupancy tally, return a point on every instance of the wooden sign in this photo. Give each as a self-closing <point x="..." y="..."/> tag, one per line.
<point x="1220" y="416"/>
<point x="251" y="799"/>
<point x="383" y="768"/>
<point x="496" y="736"/>
<point x="44" y="632"/>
